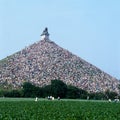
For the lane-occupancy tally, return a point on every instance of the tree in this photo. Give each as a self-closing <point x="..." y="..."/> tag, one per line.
<point x="12" y="93"/>
<point x="1" y="93"/>
<point x="72" y="92"/>
<point x="97" y="96"/>
<point x="29" y="90"/>
<point x="58" y="88"/>
<point x="46" y="91"/>
<point x="110" y="94"/>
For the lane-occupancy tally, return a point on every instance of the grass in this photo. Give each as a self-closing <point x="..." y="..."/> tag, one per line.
<point x="28" y="109"/>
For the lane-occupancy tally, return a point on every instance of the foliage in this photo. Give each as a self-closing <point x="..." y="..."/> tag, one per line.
<point x="97" y="96"/>
<point x="59" y="110"/>
<point x="74" y="92"/>
<point x="1" y="93"/>
<point x="46" y="91"/>
<point x="110" y="94"/>
<point x="13" y="93"/>
<point x="30" y="90"/>
<point x="58" y="88"/>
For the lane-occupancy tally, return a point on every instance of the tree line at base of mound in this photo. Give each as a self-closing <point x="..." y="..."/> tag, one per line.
<point x="57" y="88"/>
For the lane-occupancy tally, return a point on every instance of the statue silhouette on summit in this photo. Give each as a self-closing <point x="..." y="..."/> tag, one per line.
<point x="45" y="32"/>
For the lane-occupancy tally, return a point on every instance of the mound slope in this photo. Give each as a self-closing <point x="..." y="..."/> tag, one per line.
<point x="44" y="61"/>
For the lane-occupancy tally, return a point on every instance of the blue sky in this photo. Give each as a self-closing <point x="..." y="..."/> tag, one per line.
<point x="87" y="28"/>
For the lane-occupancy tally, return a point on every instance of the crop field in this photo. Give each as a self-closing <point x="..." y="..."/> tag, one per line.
<point x="28" y="109"/>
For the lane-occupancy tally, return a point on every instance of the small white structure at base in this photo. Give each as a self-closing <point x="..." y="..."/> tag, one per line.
<point x="58" y="98"/>
<point x="109" y="100"/>
<point x="116" y="100"/>
<point x="36" y="99"/>
<point x="53" y="98"/>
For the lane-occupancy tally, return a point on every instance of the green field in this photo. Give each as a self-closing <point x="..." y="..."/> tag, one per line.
<point x="28" y="109"/>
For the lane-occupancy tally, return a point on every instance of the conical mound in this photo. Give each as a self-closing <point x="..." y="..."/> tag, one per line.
<point x="45" y="61"/>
